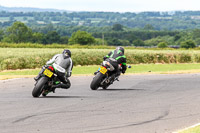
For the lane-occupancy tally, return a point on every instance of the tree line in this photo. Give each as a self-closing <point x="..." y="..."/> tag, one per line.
<point x="20" y="33"/>
<point x="176" y="20"/>
<point x="114" y="35"/>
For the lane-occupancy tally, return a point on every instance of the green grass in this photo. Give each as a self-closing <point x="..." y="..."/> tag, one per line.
<point x="163" y="68"/>
<point x="31" y="58"/>
<point x="55" y="46"/>
<point x="142" y="68"/>
<point x="192" y="130"/>
<point x="77" y="70"/>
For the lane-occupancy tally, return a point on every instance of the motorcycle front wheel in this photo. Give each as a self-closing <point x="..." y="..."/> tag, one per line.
<point x="37" y="90"/>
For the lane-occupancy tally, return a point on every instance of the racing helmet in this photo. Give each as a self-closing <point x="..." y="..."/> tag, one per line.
<point x="120" y="48"/>
<point x="67" y="52"/>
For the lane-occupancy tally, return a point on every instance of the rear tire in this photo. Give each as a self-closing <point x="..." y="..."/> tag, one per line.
<point x="105" y="87"/>
<point x="39" y="86"/>
<point x="96" y="81"/>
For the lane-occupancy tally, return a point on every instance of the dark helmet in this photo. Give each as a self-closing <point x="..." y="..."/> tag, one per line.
<point x="67" y="52"/>
<point x="120" y="48"/>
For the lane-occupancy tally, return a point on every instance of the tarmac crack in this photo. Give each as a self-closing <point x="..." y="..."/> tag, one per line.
<point x="27" y="117"/>
<point x="166" y="113"/>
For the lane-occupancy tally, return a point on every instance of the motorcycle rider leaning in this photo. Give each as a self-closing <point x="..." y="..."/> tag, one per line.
<point x="64" y="62"/>
<point x="117" y="57"/>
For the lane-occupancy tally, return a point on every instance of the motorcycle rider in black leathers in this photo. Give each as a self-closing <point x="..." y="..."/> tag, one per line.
<point x="63" y="64"/>
<point x="116" y="58"/>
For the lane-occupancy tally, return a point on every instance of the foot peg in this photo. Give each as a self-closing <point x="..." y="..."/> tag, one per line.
<point x="117" y="79"/>
<point x="95" y="73"/>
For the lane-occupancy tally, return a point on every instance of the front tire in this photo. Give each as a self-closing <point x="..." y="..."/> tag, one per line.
<point x="96" y="81"/>
<point x="39" y="86"/>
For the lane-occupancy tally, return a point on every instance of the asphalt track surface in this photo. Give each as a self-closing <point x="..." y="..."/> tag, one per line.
<point x="136" y="104"/>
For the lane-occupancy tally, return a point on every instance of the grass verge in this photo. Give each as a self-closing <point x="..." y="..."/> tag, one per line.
<point x="195" y="129"/>
<point x="89" y="70"/>
<point x="31" y="58"/>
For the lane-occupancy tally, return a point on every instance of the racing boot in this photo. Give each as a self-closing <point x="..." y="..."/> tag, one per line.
<point x="65" y="86"/>
<point x="61" y="85"/>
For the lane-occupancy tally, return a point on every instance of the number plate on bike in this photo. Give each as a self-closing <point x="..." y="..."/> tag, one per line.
<point x="48" y="73"/>
<point x="103" y="70"/>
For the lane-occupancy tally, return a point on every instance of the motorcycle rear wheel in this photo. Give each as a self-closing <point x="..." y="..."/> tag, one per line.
<point x="39" y="86"/>
<point x="105" y="87"/>
<point x="96" y="81"/>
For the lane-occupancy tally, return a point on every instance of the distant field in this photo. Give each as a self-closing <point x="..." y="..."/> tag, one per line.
<point x="76" y="20"/>
<point x="28" y="58"/>
<point x="5" y="19"/>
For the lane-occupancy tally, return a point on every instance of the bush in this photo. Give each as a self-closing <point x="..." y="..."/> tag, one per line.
<point x="188" y="44"/>
<point x="138" y="42"/>
<point x="162" y="45"/>
<point x="81" y="37"/>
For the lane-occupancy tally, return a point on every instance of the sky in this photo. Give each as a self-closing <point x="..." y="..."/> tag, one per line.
<point x="107" y="5"/>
